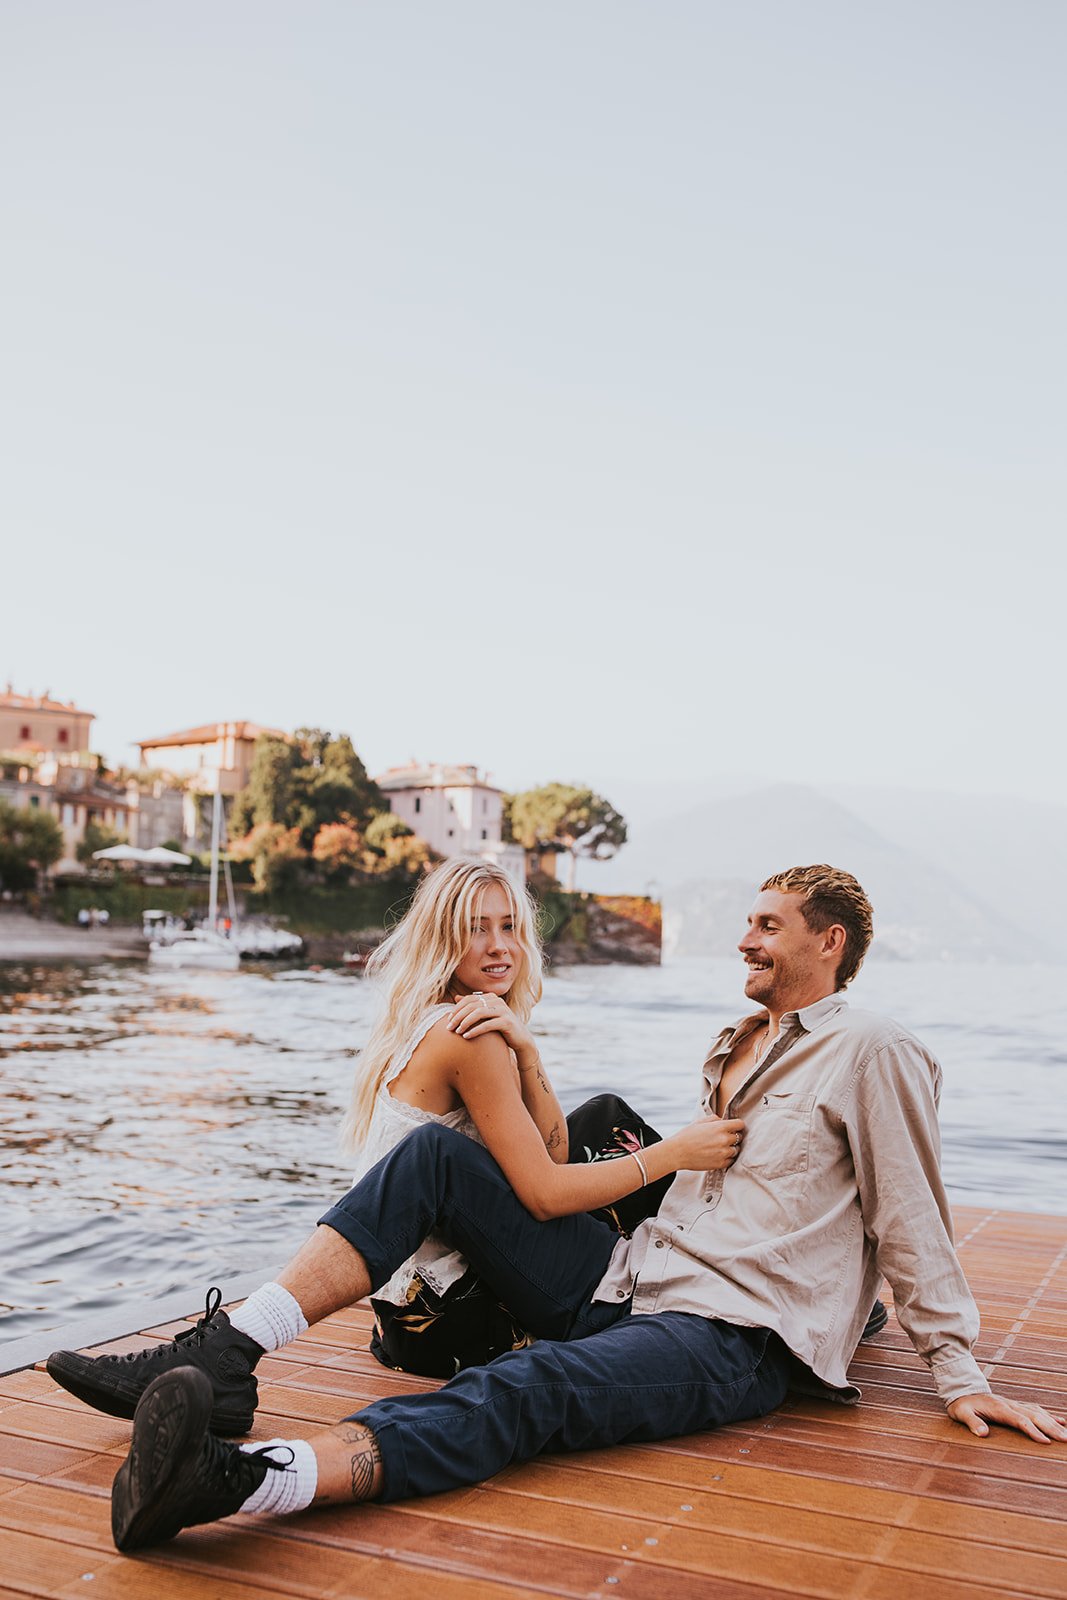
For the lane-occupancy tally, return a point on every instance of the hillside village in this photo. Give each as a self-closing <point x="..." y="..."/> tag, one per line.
<point x="297" y="809"/>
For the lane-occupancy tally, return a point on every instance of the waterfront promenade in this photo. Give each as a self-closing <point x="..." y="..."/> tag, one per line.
<point x="879" y="1501"/>
<point x="26" y="938"/>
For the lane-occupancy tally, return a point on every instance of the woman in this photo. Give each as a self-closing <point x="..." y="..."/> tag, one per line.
<point x="461" y="974"/>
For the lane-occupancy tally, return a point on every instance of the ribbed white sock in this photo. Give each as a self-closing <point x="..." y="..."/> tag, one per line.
<point x="270" y="1316"/>
<point x="289" y="1490"/>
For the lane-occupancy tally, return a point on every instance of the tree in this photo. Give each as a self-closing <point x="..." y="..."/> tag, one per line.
<point x="275" y="854"/>
<point x="563" y="818"/>
<point x="394" y="851"/>
<point x="97" y="836"/>
<point x="338" y="848"/>
<point x="269" y="793"/>
<point x="304" y="783"/>
<point x="31" y="841"/>
<point x="403" y="857"/>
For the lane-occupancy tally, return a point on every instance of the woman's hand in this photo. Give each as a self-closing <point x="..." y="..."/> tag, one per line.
<point x="476" y="1014"/>
<point x="710" y="1145"/>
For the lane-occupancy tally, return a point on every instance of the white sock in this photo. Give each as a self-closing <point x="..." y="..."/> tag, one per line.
<point x="270" y="1316"/>
<point x="289" y="1490"/>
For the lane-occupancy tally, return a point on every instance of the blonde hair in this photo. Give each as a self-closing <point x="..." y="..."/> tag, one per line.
<point x="416" y="963"/>
<point x="830" y="896"/>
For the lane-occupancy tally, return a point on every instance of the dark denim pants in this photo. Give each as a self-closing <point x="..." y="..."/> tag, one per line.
<point x="598" y="1376"/>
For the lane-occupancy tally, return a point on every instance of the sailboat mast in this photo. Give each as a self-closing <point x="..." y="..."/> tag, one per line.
<point x="213" y="893"/>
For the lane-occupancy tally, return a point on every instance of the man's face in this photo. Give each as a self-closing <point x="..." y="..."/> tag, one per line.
<point x="786" y="969"/>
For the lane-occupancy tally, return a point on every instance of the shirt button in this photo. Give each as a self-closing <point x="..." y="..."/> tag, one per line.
<point x="620" y="1294"/>
<point x="659" y="1244"/>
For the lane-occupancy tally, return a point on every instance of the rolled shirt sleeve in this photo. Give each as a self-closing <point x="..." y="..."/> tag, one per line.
<point x="890" y="1120"/>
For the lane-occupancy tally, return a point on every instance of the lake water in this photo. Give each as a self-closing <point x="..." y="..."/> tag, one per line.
<point x="165" y="1131"/>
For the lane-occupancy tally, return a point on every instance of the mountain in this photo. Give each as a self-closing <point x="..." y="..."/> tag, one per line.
<point x="707" y="860"/>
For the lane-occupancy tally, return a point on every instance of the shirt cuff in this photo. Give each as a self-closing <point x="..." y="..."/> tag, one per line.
<point x="958" y="1375"/>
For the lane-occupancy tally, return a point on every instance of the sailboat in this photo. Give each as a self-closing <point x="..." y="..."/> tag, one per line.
<point x="205" y="948"/>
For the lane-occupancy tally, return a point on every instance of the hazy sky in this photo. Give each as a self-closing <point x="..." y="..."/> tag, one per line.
<point x="583" y="390"/>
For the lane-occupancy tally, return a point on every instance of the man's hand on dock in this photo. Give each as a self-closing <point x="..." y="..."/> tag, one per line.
<point x="975" y="1411"/>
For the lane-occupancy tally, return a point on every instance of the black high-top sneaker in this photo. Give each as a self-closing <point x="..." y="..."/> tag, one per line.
<point x="176" y="1473"/>
<point x="227" y="1357"/>
<point x="875" y="1322"/>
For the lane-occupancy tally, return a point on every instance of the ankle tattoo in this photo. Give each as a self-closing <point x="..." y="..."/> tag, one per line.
<point x="365" y="1460"/>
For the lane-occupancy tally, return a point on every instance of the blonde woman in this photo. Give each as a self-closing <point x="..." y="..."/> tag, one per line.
<point x="461" y="975"/>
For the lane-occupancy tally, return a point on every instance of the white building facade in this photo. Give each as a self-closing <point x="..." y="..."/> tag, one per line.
<point x="456" y="811"/>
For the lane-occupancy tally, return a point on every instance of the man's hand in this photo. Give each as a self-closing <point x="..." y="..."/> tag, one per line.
<point x="1033" y="1420"/>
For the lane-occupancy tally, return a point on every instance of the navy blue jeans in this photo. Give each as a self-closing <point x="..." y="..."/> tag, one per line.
<point x="597" y="1376"/>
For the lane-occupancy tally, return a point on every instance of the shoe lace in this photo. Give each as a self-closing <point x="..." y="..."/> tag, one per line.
<point x="194" y="1335"/>
<point x="237" y="1467"/>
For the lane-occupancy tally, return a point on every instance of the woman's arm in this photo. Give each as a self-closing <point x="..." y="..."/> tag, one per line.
<point x="475" y="1016"/>
<point x="487" y="1081"/>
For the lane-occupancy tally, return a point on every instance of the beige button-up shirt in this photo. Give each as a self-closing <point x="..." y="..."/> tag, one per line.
<point x="838" y="1181"/>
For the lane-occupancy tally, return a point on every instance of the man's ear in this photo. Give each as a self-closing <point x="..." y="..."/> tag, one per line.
<point x="834" y="940"/>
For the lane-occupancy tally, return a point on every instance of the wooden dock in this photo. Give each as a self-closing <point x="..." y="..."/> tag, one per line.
<point x="885" y="1501"/>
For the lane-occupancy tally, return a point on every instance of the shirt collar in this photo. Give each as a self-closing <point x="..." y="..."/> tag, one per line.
<point x="820" y="1011"/>
<point x="809" y="1018"/>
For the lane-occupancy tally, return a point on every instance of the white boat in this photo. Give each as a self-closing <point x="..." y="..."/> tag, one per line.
<point x="197" y="948"/>
<point x="260" y="942"/>
<point x="204" y="948"/>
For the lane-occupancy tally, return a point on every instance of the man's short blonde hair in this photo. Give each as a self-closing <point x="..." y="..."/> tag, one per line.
<point x="829" y="896"/>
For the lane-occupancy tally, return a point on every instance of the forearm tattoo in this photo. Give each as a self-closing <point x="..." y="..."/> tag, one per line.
<point x="555" y="1138"/>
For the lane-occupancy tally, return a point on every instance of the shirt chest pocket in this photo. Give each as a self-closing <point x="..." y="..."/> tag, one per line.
<point x="778" y="1140"/>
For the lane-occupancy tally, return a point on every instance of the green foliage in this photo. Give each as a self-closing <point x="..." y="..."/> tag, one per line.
<point x="31" y="841"/>
<point x="125" y="897"/>
<point x="555" y="910"/>
<point x="274" y="852"/>
<point x="311" y="908"/>
<point x="269" y="795"/>
<point x="382" y="827"/>
<point x="338" y="849"/>
<point x="559" y="816"/>
<point x="97" y="836"/>
<point x="305" y="783"/>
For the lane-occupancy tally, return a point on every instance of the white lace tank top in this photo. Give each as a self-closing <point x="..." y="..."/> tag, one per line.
<point x="435" y="1262"/>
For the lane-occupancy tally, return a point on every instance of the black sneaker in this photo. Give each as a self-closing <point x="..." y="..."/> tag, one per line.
<point x="875" y="1322"/>
<point x="116" y="1383"/>
<point x="176" y="1473"/>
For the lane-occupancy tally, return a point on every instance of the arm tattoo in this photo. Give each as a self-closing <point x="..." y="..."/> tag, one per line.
<point x="543" y="1081"/>
<point x="554" y="1139"/>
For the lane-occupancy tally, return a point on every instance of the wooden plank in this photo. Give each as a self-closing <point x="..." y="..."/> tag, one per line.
<point x="280" y="1566"/>
<point x="875" y="1502"/>
<point x="584" y="1484"/>
<point x="805" y="1473"/>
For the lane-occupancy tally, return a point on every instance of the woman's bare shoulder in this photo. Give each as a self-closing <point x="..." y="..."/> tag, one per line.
<point x="441" y="1045"/>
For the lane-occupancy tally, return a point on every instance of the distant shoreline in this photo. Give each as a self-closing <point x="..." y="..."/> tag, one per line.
<point x="26" y="938"/>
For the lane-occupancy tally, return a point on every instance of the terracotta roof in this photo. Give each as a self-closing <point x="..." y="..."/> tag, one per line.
<point x="208" y="733"/>
<point x="10" y="701"/>
<point x="433" y="775"/>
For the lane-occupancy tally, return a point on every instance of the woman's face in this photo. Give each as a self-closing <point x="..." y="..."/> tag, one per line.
<point x="493" y="958"/>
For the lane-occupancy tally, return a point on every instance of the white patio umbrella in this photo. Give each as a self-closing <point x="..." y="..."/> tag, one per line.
<point x="160" y="856"/>
<point x="120" y="852"/>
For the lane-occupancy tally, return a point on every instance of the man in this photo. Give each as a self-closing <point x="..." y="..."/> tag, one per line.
<point x="748" y="1280"/>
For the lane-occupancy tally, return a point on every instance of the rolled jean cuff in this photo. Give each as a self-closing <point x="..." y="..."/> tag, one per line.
<point x="370" y="1248"/>
<point x="388" y="1437"/>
